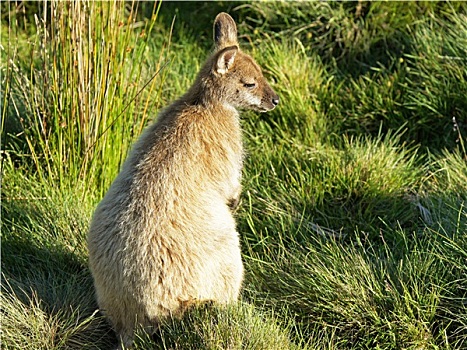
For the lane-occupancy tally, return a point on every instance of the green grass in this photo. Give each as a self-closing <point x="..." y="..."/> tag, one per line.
<point x="84" y="91"/>
<point x="353" y="218"/>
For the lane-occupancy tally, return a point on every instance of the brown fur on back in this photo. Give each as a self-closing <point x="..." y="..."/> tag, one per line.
<point x="164" y="236"/>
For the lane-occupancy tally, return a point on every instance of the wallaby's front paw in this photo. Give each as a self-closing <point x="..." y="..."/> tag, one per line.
<point x="233" y="203"/>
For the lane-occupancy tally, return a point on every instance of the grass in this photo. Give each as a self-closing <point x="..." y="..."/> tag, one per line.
<point x="353" y="217"/>
<point x="77" y="93"/>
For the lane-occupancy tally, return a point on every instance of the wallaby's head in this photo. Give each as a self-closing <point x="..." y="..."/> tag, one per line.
<point x="234" y="77"/>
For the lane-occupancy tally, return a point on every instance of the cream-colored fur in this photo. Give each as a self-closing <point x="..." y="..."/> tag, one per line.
<point x="164" y="236"/>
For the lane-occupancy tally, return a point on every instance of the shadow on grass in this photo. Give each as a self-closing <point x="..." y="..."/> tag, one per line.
<point x="47" y="290"/>
<point x="388" y="288"/>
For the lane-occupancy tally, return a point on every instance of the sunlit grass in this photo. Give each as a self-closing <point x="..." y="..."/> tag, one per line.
<point x="353" y="219"/>
<point x="79" y="104"/>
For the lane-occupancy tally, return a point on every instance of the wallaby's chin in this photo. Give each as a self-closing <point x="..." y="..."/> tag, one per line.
<point x="256" y="108"/>
<point x="259" y="109"/>
<point x="264" y="109"/>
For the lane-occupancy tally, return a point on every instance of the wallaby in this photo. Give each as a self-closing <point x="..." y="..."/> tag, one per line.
<point x="164" y="236"/>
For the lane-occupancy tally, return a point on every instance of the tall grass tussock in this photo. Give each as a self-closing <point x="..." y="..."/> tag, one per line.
<point x="353" y="217"/>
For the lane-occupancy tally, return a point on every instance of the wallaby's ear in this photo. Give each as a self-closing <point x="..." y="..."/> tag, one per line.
<point x="225" y="31"/>
<point x="225" y="59"/>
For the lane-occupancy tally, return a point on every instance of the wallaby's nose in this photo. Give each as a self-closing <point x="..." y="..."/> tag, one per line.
<point x="275" y="100"/>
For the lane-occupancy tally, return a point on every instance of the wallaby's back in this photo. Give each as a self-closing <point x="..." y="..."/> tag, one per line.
<point x="164" y="236"/>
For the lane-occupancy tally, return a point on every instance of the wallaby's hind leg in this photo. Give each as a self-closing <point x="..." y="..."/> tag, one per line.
<point x="125" y="342"/>
<point x="125" y="337"/>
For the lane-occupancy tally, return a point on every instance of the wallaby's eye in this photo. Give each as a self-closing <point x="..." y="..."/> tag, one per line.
<point x="249" y="85"/>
